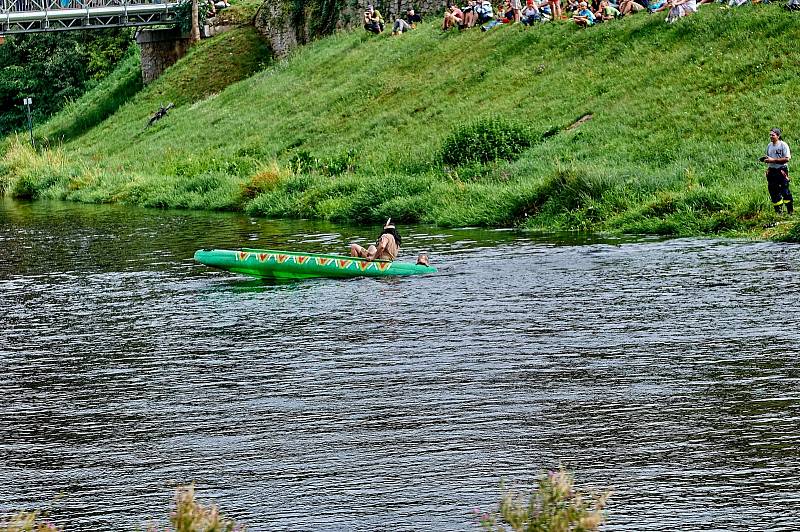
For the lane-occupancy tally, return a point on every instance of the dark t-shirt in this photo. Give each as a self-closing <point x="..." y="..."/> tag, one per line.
<point x="413" y="19"/>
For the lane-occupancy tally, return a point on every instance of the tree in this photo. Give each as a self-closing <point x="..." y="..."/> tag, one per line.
<point x="195" y="35"/>
<point x="54" y="68"/>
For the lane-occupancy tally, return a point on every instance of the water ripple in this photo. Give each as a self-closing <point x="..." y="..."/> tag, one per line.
<point x="666" y="370"/>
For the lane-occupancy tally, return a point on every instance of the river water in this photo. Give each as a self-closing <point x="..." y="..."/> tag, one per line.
<point x="664" y="370"/>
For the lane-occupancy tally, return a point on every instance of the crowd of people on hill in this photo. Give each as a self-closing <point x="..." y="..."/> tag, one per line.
<point x="374" y="23"/>
<point x="584" y="13"/>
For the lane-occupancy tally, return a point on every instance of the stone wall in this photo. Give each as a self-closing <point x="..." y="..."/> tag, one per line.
<point x="276" y="21"/>
<point x="391" y="8"/>
<point x="273" y="20"/>
<point x="160" y="50"/>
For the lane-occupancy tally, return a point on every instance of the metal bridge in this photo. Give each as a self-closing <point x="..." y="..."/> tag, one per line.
<point x="34" y="16"/>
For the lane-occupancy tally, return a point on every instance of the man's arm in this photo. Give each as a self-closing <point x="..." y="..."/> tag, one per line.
<point x="378" y="249"/>
<point x="776" y="160"/>
<point x="779" y="160"/>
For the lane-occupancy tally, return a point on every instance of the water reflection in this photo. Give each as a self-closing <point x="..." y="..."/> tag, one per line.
<point x="666" y="370"/>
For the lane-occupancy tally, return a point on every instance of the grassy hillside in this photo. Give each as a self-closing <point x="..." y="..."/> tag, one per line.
<point x="353" y="127"/>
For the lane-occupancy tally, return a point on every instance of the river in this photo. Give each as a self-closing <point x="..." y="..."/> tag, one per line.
<point x="665" y="370"/>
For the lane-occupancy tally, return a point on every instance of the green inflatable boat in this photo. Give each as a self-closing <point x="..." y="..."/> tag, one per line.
<point x="270" y="264"/>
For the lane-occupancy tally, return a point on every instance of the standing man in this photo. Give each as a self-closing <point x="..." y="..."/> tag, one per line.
<point x="777" y="160"/>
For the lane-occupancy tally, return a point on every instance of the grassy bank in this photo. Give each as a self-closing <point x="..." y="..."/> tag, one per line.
<point x="353" y="128"/>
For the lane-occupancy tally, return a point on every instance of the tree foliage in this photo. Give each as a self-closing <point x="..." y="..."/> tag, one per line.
<point x="54" y="68"/>
<point x="183" y="14"/>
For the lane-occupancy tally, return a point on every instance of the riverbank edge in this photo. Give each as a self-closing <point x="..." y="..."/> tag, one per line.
<point x="555" y="196"/>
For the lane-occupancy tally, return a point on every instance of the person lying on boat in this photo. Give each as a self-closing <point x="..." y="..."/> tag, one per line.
<point x="385" y="248"/>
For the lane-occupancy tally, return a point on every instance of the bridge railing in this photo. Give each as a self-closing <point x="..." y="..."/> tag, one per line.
<point x="32" y="16"/>
<point x="21" y="6"/>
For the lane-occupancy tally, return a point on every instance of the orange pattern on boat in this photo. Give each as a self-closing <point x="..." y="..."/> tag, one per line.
<point x="301" y="259"/>
<point x="243" y="255"/>
<point x="322" y="261"/>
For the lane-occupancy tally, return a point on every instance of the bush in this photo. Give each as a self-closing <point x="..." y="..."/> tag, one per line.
<point x="191" y="516"/>
<point x="554" y="506"/>
<point x="27" y="522"/>
<point x="485" y="141"/>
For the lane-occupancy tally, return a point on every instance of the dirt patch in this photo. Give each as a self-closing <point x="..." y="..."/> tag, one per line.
<point x="578" y="122"/>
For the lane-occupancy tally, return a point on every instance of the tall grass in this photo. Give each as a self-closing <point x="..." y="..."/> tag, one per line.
<point x="188" y="516"/>
<point x="356" y="126"/>
<point x="191" y="516"/>
<point x="554" y="506"/>
<point x="27" y="522"/>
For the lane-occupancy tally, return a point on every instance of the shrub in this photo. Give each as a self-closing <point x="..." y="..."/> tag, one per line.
<point x="30" y="174"/>
<point x="302" y="161"/>
<point x="485" y="141"/>
<point x="340" y="164"/>
<point x="191" y="516"/>
<point x="27" y="522"/>
<point x="267" y="179"/>
<point x="792" y="235"/>
<point x="555" y="506"/>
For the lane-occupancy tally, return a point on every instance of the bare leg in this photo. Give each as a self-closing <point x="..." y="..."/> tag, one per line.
<point x="357" y="251"/>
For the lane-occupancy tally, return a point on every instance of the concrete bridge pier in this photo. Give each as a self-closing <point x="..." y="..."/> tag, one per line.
<point x="161" y="48"/>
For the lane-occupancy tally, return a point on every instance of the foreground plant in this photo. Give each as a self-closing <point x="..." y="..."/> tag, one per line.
<point x="27" y="522"/>
<point x="191" y="516"/>
<point x="555" y="506"/>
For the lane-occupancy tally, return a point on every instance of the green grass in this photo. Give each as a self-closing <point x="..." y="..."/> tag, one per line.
<point x="352" y="127"/>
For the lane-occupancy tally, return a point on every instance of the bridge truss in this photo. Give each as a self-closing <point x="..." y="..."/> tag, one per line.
<point x="35" y="16"/>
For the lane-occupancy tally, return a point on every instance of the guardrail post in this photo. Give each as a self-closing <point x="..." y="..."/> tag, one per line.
<point x="28" y="102"/>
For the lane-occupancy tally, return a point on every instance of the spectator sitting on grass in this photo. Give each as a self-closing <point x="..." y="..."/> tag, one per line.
<point x="507" y="11"/>
<point x="544" y="10"/>
<point x="470" y="17"/>
<point x="606" y="11"/>
<point x="679" y="9"/>
<point x="373" y="21"/>
<point x="516" y="10"/>
<point x="409" y="22"/>
<point x="629" y="6"/>
<point x="584" y="16"/>
<point x="503" y="12"/>
<point x="530" y="13"/>
<point x="485" y="12"/>
<point x="654" y="6"/>
<point x="555" y="9"/>
<point x="453" y="17"/>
